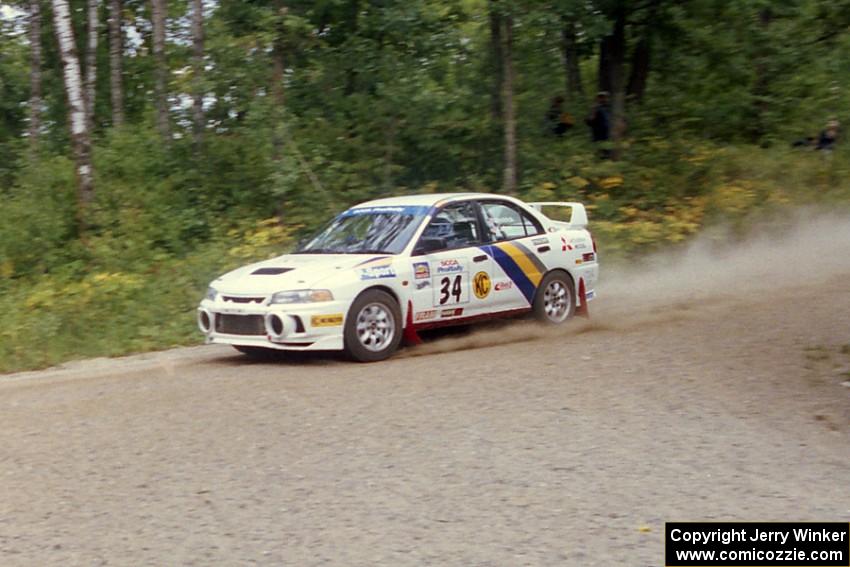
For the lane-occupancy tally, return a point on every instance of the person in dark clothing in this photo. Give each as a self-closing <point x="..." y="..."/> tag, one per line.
<point x="828" y="136"/>
<point x="558" y="121"/>
<point x="599" y="119"/>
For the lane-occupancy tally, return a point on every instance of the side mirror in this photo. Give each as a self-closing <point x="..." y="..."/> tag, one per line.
<point x="428" y="244"/>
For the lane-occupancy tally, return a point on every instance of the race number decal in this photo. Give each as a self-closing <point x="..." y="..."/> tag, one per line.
<point x="450" y="282"/>
<point x="451" y="290"/>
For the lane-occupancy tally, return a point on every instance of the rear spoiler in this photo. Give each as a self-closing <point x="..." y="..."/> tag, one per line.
<point x="578" y="215"/>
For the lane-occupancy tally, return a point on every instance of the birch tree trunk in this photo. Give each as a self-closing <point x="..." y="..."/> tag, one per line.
<point x="509" y="178"/>
<point x="158" y="9"/>
<point x="35" y="71"/>
<point x="80" y="134"/>
<point x="116" y="53"/>
<point x="198" y="72"/>
<point x="91" y="60"/>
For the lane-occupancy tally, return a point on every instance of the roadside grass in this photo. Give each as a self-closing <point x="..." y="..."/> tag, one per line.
<point x="64" y="316"/>
<point x="123" y="298"/>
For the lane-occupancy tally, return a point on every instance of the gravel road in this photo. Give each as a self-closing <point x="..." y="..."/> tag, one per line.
<point x="509" y="446"/>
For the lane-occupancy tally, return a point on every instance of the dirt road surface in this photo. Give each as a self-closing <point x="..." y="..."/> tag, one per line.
<point x="716" y="389"/>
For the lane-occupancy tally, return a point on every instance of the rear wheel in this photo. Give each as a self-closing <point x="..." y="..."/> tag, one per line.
<point x="555" y="301"/>
<point x="373" y="328"/>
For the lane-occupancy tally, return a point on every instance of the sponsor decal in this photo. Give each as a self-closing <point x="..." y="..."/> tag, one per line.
<point x="590" y="295"/>
<point x="450" y="266"/>
<point x="334" y="320"/>
<point x="421" y="270"/>
<point x="409" y="210"/>
<point x="456" y="312"/>
<point x="425" y="315"/>
<point x="423" y="284"/>
<point x="588" y="256"/>
<point x="501" y="286"/>
<point x="579" y="243"/>
<point x="377" y="260"/>
<point x="564" y="245"/>
<point x="481" y="285"/>
<point x="377" y="273"/>
<point x="540" y="241"/>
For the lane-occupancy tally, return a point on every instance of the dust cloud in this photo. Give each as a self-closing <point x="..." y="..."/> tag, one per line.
<point x="718" y="268"/>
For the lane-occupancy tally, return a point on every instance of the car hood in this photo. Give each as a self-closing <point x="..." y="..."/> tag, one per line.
<point x="291" y="271"/>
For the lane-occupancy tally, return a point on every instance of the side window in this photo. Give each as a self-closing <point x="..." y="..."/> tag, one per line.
<point x="507" y="222"/>
<point x="454" y="226"/>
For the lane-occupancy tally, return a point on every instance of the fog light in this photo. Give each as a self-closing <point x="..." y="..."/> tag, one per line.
<point x="204" y="321"/>
<point x="275" y="327"/>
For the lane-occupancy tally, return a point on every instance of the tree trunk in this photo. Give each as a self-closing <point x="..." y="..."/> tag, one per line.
<point x="116" y="54"/>
<point x="509" y="179"/>
<point x="570" y="59"/>
<point x="604" y="69"/>
<point x="198" y="72"/>
<point x="35" y="71"/>
<point x="158" y="9"/>
<point x="497" y="61"/>
<point x="91" y="60"/>
<point x="639" y="71"/>
<point x="77" y="116"/>
<point x="617" y="55"/>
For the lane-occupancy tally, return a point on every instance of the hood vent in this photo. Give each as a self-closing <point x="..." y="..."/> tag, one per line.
<point x="271" y="271"/>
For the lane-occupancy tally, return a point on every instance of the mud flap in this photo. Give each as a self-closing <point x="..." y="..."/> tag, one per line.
<point x="582" y="310"/>
<point x="411" y="337"/>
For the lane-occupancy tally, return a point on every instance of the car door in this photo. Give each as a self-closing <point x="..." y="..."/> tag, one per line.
<point x="520" y="249"/>
<point x="451" y="272"/>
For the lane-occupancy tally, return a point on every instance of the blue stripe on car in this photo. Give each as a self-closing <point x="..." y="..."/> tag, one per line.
<point x="513" y="271"/>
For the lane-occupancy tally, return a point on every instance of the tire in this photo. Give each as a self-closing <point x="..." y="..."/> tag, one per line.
<point x="555" y="300"/>
<point x="257" y="353"/>
<point x="373" y="327"/>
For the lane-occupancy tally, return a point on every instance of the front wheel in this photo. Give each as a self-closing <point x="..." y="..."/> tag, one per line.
<point x="373" y="328"/>
<point x="555" y="301"/>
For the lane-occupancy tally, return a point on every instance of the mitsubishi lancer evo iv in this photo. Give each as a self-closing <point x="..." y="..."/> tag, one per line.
<point x="383" y="270"/>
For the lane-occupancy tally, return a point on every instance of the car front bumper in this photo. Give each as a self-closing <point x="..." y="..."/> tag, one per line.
<point x="299" y="326"/>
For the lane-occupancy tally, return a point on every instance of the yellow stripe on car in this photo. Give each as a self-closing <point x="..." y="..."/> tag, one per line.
<point x="523" y="260"/>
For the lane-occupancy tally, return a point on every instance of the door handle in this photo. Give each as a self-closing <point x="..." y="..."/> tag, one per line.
<point x="480" y="258"/>
<point x="543" y="249"/>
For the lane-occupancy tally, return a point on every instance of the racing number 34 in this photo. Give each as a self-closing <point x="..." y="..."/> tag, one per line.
<point x="451" y="287"/>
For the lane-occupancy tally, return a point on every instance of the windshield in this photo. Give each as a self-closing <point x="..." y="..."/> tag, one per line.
<point x="367" y="230"/>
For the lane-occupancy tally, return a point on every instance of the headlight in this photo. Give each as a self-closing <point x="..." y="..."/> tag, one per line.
<point x="302" y="296"/>
<point x="211" y="293"/>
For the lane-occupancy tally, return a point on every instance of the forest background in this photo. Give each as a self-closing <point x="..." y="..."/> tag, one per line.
<point x="146" y="146"/>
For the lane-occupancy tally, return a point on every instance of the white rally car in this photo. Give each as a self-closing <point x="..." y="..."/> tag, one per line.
<point x="383" y="270"/>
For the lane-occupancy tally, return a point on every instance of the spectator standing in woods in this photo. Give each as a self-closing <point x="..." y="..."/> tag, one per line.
<point x="599" y="119"/>
<point x="557" y="120"/>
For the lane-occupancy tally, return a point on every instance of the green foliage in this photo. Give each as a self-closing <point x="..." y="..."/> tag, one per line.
<point x="37" y="219"/>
